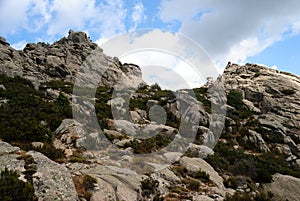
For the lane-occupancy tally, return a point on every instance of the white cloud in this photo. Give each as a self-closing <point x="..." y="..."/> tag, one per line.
<point x="28" y="14"/>
<point x="19" y="45"/>
<point x="245" y="48"/>
<point x="13" y="15"/>
<point x="167" y="69"/>
<point x="105" y="18"/>
<point x="37" y="15"/>
<point x="275" y="67"/>
<point x="137" y="15"/>
<point x="187" y="64"/>
<point x="233" y="30"/>
<point x="68" y="14"/>
<point x="50" y="19"/>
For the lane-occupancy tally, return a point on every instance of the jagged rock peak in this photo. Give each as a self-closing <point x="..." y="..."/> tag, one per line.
<point x="78" y="37"/>
<point x="63" y="59"/>
<point x="250" y="68"/>
<point x="3" y="41"/>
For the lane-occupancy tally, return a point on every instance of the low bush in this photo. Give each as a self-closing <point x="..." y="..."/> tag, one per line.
<point x="192" y="184"/>
<point x="77" y="158"/>
<point x="231" y="182"/>
<point x="201" y="95"/>
<point x="235" y="99"/>
<point x="202" y="175"/>
<point x="149" y="145"/>
<point x="103" y="110"/>
<point x="89" y="182"/>
<point x="259" y="168"/>
<point x="13" y="189"/>
<point x="149" y="187"/>
<point x="60" y="85"/>
<point x="84" y="185"/>
<point x="249" y="197"/>
<point x="28" y="116"/>
<point x="288" y="92"/>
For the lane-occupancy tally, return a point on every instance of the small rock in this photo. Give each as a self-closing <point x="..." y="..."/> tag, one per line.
<point x="6" y="148"/>
<point x="68" y="152"/>
<point x="37" y="144"/>
<point x="151" y="103"/>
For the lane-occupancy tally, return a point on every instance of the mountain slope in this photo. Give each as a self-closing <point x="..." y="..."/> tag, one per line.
<point x="65" y="159"/>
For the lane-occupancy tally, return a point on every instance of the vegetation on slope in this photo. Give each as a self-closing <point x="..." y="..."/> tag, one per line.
<point x="13" y="189"/>
<point x="28" y="115"/>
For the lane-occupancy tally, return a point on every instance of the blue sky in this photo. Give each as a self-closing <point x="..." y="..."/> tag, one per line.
<point x="265" y="32"/>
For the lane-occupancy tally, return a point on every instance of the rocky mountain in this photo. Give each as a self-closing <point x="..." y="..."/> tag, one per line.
<point x="49" y="153"/>
<point x="61" y="60"/>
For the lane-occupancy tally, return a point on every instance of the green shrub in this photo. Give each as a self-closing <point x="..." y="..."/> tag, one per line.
<point x="66" y="87"/>
<point x="149" y="186"/>
<point x="235" y="99"/>
<point x="30" y="167"/>
<point x="249" y="197"/>
<point x="155" y="86"/>
<point x="172" y="120"/>
<point x="202" y="175"/>
<point x="163" y="96"/>
<point x="103" y="110"/>
<point x="231" y="182"/>
<point x="51" y="152"/>
<point x="193" y="184"/>
<point x="288" y="92"/>
<point x="138" y="103"/>
<point x="77" y="158"/>
<point x="13" y="189"/>
<point x="89" y="182"/>
<point x="64" y="105"/>
<point x="201" y="95"/>
<point x="149" y="145"/>
<point x="259" y="168"/>
<point x="21" y="116"/>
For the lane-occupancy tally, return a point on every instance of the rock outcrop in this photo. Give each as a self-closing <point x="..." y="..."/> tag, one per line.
<point x="273" y="97"/>
<point x="263" y="117"/>
<point x="284" y="187"/>
<point x="63" y="59"/>
<point x="50" y="180"/>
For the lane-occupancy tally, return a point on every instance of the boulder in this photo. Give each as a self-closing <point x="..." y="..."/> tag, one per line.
<point x="201" y="151"/>
<point x="259" y="142"/>
<point x="6" y="148"/>
<point x="52" y="181"/>
<point x="284" y="187"/>
<point x="196" y="164"/>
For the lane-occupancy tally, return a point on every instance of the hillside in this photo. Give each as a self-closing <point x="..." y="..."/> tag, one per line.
<point x="153" y="144"/>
